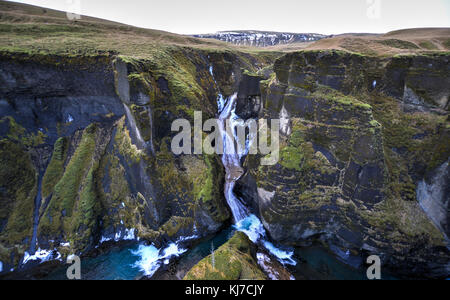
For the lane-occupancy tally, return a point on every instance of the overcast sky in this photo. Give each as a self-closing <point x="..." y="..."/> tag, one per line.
<point x="319" y="16"/>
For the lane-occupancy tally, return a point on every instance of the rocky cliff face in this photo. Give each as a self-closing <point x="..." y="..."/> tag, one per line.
<point x="261" y="38"/>
<point x="359" y="134"/>
<point x="85" y="151"/>
<point x="235" y="260"/>
<point x="433" y="195"/>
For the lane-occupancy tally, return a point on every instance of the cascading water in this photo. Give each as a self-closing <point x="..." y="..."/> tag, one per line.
<point x="37" y="205"/>
<point x="231" y="160"/>
<point x="244" y="221"/>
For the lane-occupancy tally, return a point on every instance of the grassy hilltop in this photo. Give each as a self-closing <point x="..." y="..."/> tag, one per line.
<point x="31" y="29"/>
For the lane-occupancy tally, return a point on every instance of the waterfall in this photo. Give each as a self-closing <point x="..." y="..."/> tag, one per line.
<point x="231" y="159"/>
<point x="37" y="205"/>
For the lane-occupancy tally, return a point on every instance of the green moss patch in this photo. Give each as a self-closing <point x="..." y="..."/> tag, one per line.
<point x="19" y="134"/>
<point x="18" y="188"/>
<point x="67" y="190"/>
<point x="55" y="169"/>
<point x="337" y="97"/>
<point x="232" y="261"/>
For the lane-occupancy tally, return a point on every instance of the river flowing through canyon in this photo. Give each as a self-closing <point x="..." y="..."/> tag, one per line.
<point x="246" y="222"/>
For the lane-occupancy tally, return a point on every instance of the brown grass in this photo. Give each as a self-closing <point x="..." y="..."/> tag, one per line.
<point x="31" y="29"/>
<point x="408" y="41"/>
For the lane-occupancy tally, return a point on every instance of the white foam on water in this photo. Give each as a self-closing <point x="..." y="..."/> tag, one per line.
<point x="127" y="235"/>
<point x="173" y="250"/>
<point x="284" y="257"/>
<point x="220" y="103"/>
<point x="231" y="160"/>
<point x="188" y="238"/>
<point x="152" y="258"/>
<point x="255" y="231"/>
<point x="42" y="256"/>
<point x="149" y="262"/>
<point x="104" y="239"/>
<point x="252" y="227"/>
<point x="245" y="222"/>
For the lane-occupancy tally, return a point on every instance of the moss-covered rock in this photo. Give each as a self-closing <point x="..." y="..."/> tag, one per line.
<point x="55" y="169"/>
<point x="73" y="201"/>
<point x="426" y="75"/>
<point x="18" y="189"/>
<point x="232" y="261"/>
<point x="353" y="155"/>
<point x="67" y="110"/>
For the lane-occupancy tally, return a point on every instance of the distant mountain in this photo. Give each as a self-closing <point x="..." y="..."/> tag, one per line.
<point x="261" y="38"/>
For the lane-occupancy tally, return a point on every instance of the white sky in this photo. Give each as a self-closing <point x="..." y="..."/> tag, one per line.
<point x="319" y="16"/>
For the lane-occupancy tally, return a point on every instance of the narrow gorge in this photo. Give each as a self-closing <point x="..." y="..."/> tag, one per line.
<point x="87" y="167"/>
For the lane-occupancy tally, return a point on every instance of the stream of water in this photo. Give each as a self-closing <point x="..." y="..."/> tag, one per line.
<point x="135" y="259"/>
<point x="37" y="205"/>
<point x="244" y="220"/>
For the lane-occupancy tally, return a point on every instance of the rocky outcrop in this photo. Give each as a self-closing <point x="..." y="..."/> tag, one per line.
<point x="249" y="103"/>
<point x="235" y="260"/>
<point x="85" y="150"/>
<point x="352" y="155"/>
<point x="415" y="80"/>
<point x="85" y="144"/>
<point x="433" y="195"/>
<point x="261" y="38"/>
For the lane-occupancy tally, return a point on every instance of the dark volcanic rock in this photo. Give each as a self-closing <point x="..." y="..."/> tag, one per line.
<point x="337" y="181"/>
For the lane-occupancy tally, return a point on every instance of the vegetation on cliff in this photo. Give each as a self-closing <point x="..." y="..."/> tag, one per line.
<point x="368" y="119"/>
<point x="232" y="261"/>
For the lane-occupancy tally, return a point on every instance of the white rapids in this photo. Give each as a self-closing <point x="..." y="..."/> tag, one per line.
<point x="231" y="159"/>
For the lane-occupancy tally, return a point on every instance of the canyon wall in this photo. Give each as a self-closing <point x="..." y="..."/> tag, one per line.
<point x="359" y="135"/>
<point x="86" y="151"/>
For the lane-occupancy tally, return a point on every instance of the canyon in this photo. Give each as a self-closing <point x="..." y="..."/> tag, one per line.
<point x="85" y="150"/>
